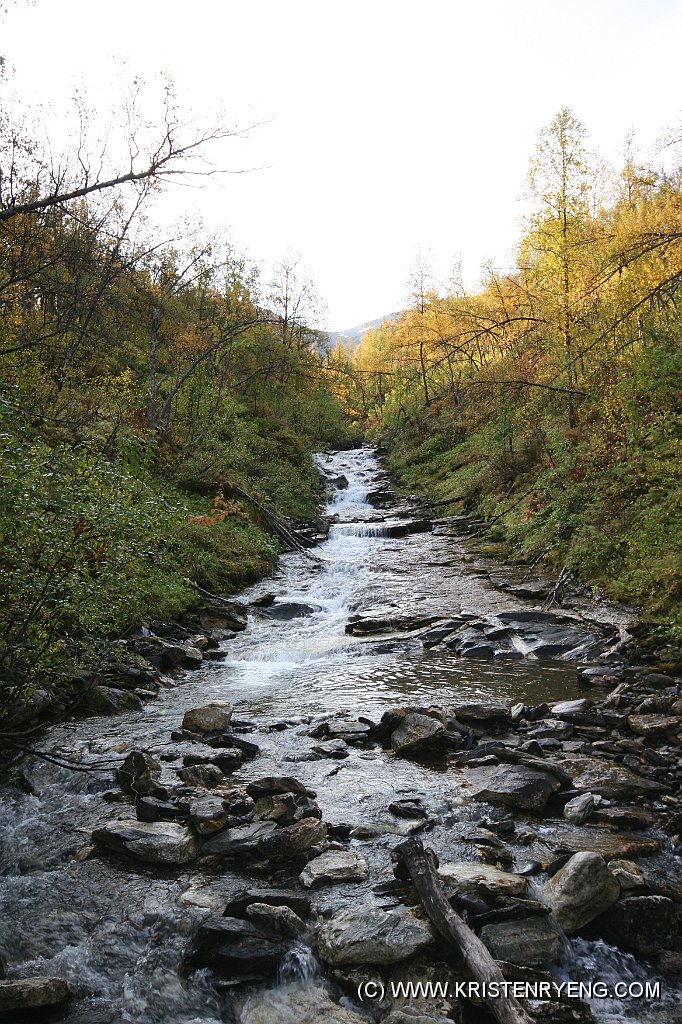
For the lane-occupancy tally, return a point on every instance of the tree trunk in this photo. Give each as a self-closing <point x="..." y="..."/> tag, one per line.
<point x="421" y="866"/>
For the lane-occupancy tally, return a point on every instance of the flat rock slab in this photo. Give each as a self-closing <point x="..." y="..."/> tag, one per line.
<point x="334" y="866"/>
<point x="32" y="994"/>
<point x="587" y="838"/>
<point x="370" y="935"/>
<point x="531" y="941"/>
<point x="512" y="786"/>
<point x="655" y="725"/>
<point x="159" y="842"/>
<point x="468" y="877"/>
<point x="613" y="781"/>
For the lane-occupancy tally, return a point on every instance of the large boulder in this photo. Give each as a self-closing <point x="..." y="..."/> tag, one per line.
<point x="641" y="924"/>
<point x="334" y="866"/>
<point x="513" y="785"/>
<point x="160" y="842"/>
<point x="531" y="941"/>
<point x="370" y="935"/>
<point x="214" y="717"/>
<point x="21" y="995"/>
<point x="415" y="732"/>
<point x="581" y="890"/>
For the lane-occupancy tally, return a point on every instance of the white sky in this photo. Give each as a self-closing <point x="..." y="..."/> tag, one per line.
<point x="389" y="126"/>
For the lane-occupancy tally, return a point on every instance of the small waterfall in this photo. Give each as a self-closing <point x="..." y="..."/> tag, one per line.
<point x="299" y="965"/>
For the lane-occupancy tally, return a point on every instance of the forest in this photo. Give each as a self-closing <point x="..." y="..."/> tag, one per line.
<point x="548" y="401"/>
<point x="145" y="382"/>
<point x="142" y="383"/>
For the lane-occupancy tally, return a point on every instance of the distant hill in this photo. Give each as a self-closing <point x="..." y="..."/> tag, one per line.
<point x="353" y="335"/>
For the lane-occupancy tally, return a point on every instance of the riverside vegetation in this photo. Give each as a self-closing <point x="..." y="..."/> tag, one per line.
<point x="548" y="403"/>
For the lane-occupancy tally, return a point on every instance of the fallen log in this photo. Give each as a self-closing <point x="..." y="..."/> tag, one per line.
<point x="278" y="527"/>
<point x="420" y="864"/>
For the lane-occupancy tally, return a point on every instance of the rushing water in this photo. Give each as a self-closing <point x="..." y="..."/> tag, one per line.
<point x="116" y="931"/>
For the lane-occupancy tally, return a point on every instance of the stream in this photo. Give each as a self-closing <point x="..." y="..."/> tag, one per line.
<point x="116" y="930"/>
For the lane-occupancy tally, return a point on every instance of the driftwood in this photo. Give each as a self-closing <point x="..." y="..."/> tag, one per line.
<point x="447" y="501"/>
<point x="277" y="525"/>
<point x="420" y="864"/>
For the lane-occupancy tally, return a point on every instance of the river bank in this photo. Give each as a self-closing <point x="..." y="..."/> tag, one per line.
<point x="392" y="684"/>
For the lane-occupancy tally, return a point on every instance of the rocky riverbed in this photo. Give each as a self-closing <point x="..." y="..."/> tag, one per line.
<point x="226" y="851"/>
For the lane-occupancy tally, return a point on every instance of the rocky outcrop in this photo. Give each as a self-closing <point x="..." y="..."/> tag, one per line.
<point x="531" y="941"/>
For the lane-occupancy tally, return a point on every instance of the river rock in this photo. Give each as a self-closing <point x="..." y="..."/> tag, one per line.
<point x="208" y="814"/>
<point x="204" y="776"/>
<point x="513" y="786"/>
<point x="613" y="781"/>
<point x="239" y="905"/>
<point x="265" y="839"/>
<point x="415" y="731"/>
<point x="105" y="700"/>
<point x="136" y="764"/>
<point x="334" y="866"/>
<point x="628" y="873"/>
<point x="282" y="920"/>
<point x="214" y="717"/>
<point x="155" y="842"/>
<point x="641" y="924"/>
<point x="480" y="712"/>
<point x="531" y="941"/>
<point x="468" y="877"/>
<point x="232" y="949"/>
<point x="273" y="784"/>
<point x="286" y="808"/>
<point x="654" y="725"/>
<point x="149" y="808"/>
<point x="335" y="749"/>
<point x="581" y="890"/>
<point x="296" y="1004"/>
<point x="23" y="994"/>
<point x="370" y="935"/>
<point x="579" y="808"/>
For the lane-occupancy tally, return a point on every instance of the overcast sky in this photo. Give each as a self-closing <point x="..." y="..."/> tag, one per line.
<point x="386" y="126"/>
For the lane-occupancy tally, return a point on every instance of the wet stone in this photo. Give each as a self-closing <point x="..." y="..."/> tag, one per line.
<point x="214" y="717"/>
<point x="334" y="866"/>
<point x="24" y="994"/>
<point x="581" y="890"/>
<point x="531" y="941"/>
<point x="513" y="786"/>
<point x="208" y="814"/>
<point x="152" y="842"/>
<point x="643" y="925"/>
<point x="415" y="732"/>
<point x="370" y="935"/>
